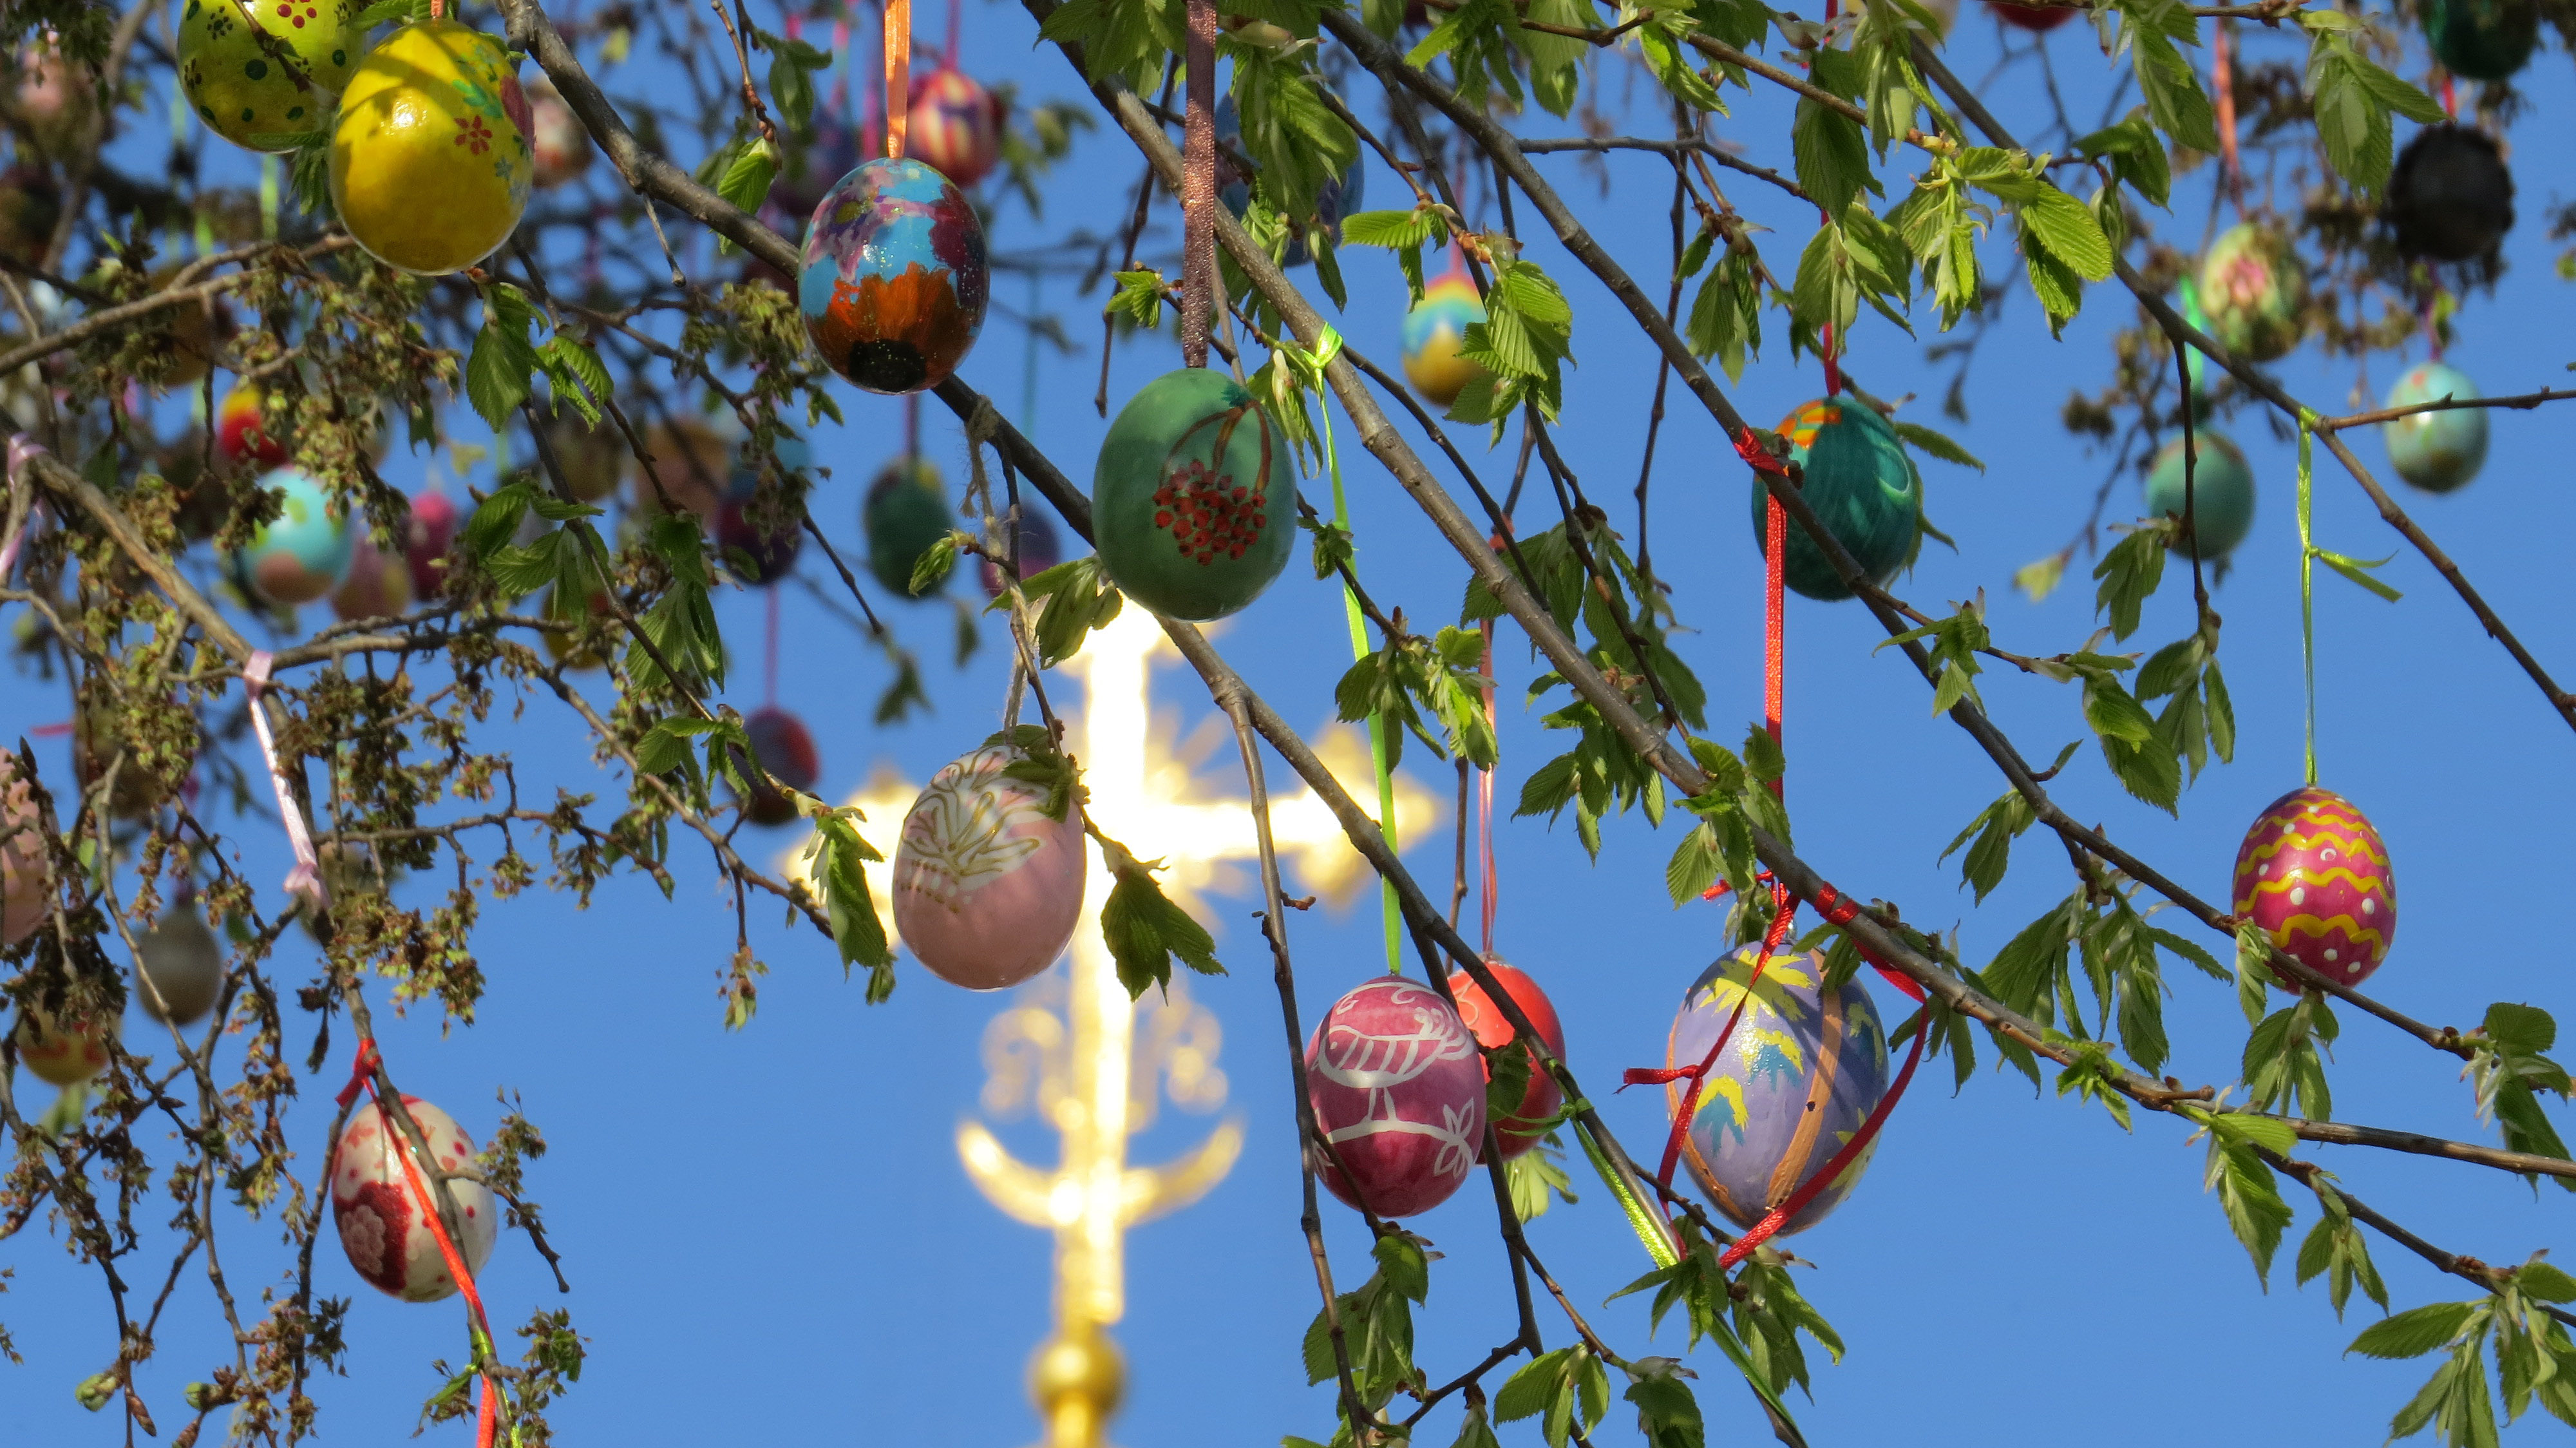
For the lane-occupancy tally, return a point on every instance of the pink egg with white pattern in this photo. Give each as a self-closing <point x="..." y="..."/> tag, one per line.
<point x="384" y="1220"/>
<point x="987" y="884"/>
<point x="1399" y="1090"/>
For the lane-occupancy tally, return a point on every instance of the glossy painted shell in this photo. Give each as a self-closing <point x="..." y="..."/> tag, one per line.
<point x="2436" y="451"/>
<point x="2220" y="497"/>
<point x="772" y="554"/>
<point x="893" y="282"/>
<point x="1860" y="482"/>
<point x="243" y="89"/>
<point x="1433" y="332"/>
<point x="1399" y="1090"/>
<point x="593" y="456"/>
<point x="2039" y="18"/>
<point x="430" y="157"/>
<point x="905" y="513"/>
<point x="1194" y="499"/>
<point x="987" y="884"/>
<point x="241" y="432"/>
<point x="1492" y="1029"/>
<point x="1796" y="1081"/>
<point x="179" y="966"/>
<point x="22" y="856"/>
<point x="2482" y="39"/>
<point x="305" y="551"/>
<point x="691" y="467"/>
<point x="955" y="127"/>
<point x="2314" y="873"/>
<point x="2256" y="291"/>
<point x="384" y="1221"/>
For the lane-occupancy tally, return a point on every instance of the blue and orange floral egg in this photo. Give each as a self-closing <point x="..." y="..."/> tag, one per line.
<point x="1399" y="1090"/>
<point x="1799" y="1076"/>
<point x="894" y="281"/>
<point x="304" y="552"/>
<point x="2315" y="874"/>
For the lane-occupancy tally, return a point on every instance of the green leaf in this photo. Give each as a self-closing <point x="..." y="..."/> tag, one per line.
<point x="1144" y="929"/>
<point x="1938" y="445"/>
<point x="2416" y="1331"/>
<point x="497" y="372"/>
<point x="2067" y="228"/>
<point x="1831" y="153"/>
<point x="1402" y="1265"/>
<point x="839" y="857"/>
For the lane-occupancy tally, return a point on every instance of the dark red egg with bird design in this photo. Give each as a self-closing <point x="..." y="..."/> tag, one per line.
<point x="384" y="1219"/>
<point x="2315" y="874"/>
<point x="1521" y="1130"/>
<point x="1399" y="1091"/>
<point x="893" y="282"/>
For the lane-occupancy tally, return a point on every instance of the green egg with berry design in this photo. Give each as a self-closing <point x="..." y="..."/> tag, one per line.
<point x="267" y="73"/>
<point x="1194" y="500"/>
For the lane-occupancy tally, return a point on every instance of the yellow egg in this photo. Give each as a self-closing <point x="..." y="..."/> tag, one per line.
<point x="263" y="72"/>
<point x="65" y="1057"/>
<point x="430" y="158"/>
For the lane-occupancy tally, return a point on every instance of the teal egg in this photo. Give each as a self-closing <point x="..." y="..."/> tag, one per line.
<point x="2482" y="39"/>
<point x="1860" y="483"/>
<point x="2222" y="492"/>
<point x="906" y="514"/>
<point x="2436" y="451"/>
<point x="1194" y="499"/>
<point x="304" y="552"/>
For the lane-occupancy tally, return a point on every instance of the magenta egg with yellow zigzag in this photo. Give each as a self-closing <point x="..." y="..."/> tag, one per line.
<point x="2314" y="873"/>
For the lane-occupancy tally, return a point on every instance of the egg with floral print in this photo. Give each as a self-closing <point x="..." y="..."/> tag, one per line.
<point x="1194" y="498"/>
<point x="894" y="280"/>
<point x="383" y="1218"/>
<point x="987" y="882"/>
<point x="430" y="158"/>
<point x="1399" y="1090"/>
<point x="2314" y="873"/>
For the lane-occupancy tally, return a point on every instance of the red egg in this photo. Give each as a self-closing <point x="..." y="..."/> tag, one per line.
<point x="955" y="126"/>
<point x="384" y="1220"/>
<point x="1492" y="1029"/>
<point x="240" y="435"/>
<point x="987" y="884"/>
<point x="1399" y="1090"/>
<point x="785" y="749"/>
<point x="433" y="527"/>
<point x="2314" y="873"/>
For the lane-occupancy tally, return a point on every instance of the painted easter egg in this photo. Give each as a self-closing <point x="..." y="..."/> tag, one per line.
<point x="266" y="73"/>
<point x="378" y="586"/>
<point x="905" y="513"/>
<point x="179" y="966"/>
<point x="955" y="126"/>
<point x="1399" y="1090"/>
<point x="2451" y="196"/>
<point x="53" y="99"/>
<point x="433" y="528"/>
<point x="591" y="456"/>
<point x="2436" y="451"/>
<point x="2038" y="18"/>
<point x="23" y="896"/>
<point x="430" y="156"/>
<point x="1194" y="499"/>
<point x="808" y="169"/>
<point x="31" y="203"/>
<point x="1492" y="1029"/>
<point x="785" y="749"/>
<point x="691" y="466"/>
<point x="242" y="434"/>
<point x="2221" y="497"/>
<point x="893" y="279"/>
<point x="1039" y="550"/>
<point x="302" y="553"/>
<point x="987" y="884"/>
<point x="772" y="552"/>
<point x="2314" y="873"/>
<point x="1433" y="332"/>
<point x="1338" y="197"/>
<point x="2482" y="39"/>
<point x="1799" y="1076"/>
<point x="559" y="150"/>
<point x="64" y="1056"/>
<point x="384" y="1220"/>
<point x="1861" y="484"/>
<point x="2256" y="290"/>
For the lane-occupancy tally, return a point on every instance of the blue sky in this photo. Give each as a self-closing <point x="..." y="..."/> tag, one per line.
<point x="768" y="1232"/>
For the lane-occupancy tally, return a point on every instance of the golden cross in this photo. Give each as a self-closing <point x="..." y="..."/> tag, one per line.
<point x="1083" y="1071"/>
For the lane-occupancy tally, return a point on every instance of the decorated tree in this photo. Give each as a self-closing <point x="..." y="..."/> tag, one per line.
<point x="547" y="350"/>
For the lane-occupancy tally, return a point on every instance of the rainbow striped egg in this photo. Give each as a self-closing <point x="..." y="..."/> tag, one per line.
<point x="2314" y="873"/>
<point x="1434" y="331"/>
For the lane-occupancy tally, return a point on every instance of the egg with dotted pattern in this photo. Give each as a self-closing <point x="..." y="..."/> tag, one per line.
<point x="383" y="1218"/>
<point x="1399" y="1090"/>
<point x="2315" y="875"/>
<point x="1194" y="498"/>
<point x="264" y="73"/>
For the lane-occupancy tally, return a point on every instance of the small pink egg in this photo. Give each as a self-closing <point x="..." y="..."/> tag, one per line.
<point x="987" y="885"/>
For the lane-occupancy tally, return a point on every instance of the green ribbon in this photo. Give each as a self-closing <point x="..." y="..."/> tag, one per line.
<point x="2309" y="556"/>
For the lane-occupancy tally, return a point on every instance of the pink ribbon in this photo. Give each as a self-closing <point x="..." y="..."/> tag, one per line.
<point x="306" y="878"/>
<point x="22" y="449"/>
